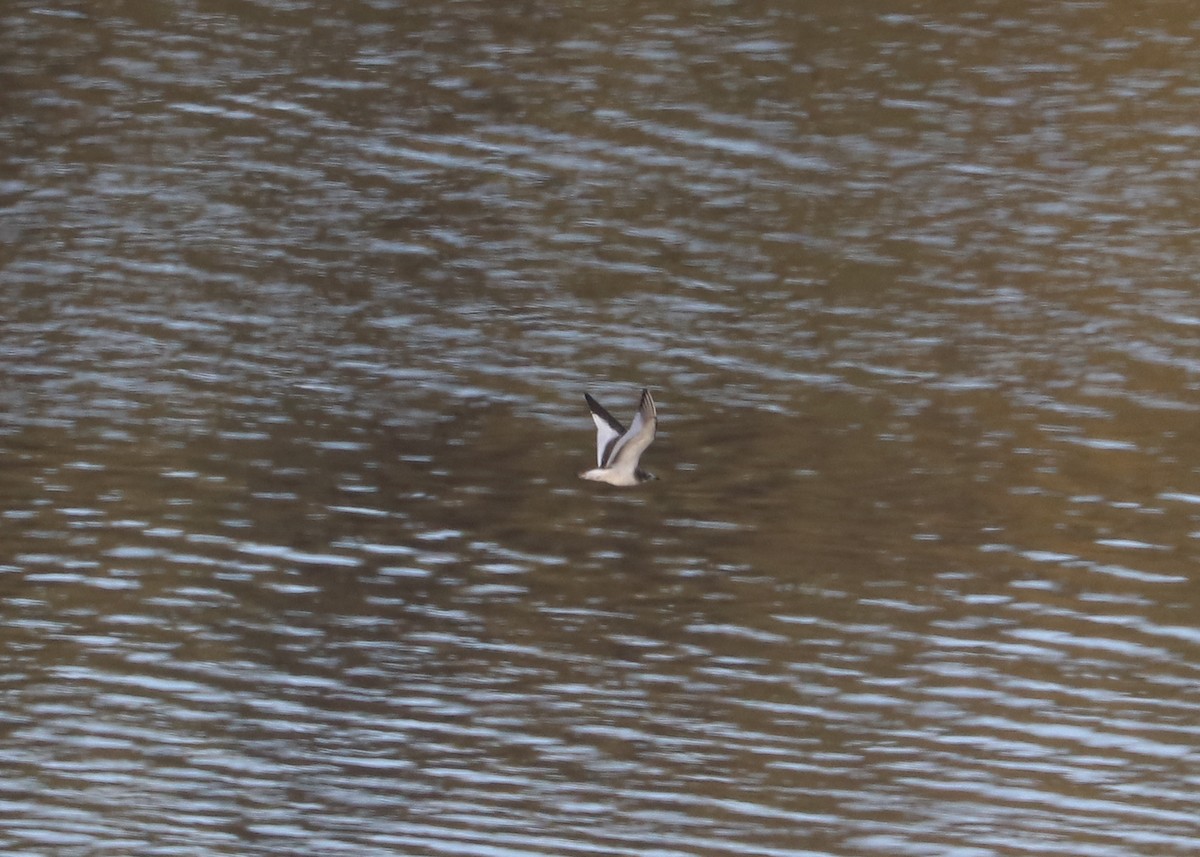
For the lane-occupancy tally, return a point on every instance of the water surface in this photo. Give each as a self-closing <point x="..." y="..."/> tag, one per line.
<point x="300" y="305"/>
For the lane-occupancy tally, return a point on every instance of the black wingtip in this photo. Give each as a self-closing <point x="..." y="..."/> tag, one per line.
<point x="647" y="399"/>
<point x="599" y="411"/>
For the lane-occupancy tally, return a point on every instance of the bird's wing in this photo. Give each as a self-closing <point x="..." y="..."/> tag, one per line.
<point x="608" y="431"/>
<point x="630" y="446"/>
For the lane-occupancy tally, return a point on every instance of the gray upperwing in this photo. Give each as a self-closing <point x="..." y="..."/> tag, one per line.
<point x="630" y="446"/>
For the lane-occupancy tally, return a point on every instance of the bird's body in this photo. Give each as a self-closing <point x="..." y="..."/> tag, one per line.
<point x="617" y="450"/>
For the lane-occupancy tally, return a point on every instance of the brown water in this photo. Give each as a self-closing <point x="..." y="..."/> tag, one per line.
<point x="300" y="304"/>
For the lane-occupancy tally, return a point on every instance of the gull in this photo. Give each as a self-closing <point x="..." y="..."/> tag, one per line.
<point x="618" y="451"/>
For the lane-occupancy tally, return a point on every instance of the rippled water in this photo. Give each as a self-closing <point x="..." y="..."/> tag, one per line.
<point x="300" y="302"/>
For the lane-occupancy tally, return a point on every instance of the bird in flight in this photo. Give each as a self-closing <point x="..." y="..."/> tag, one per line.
<point x="617" y="450"/>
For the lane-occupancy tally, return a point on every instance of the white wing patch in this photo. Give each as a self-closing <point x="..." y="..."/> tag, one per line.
<point x="608" y="431"/>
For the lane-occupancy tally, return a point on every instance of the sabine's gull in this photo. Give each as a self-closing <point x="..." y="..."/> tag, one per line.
<point x="617" y="450"/>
